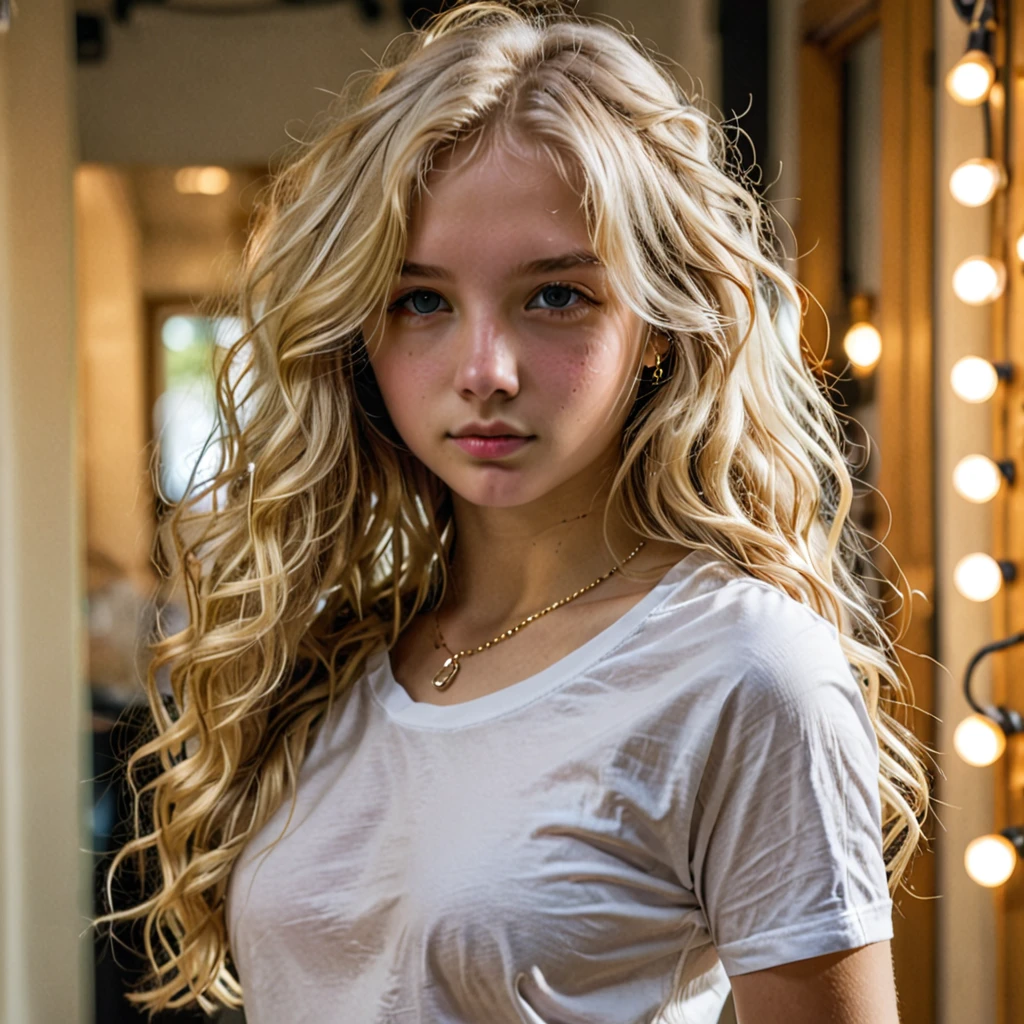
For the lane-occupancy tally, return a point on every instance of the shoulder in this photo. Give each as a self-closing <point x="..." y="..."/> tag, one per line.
<point x="760" y="620"/>
<point x="778" y="631"/>
<point x="766" y="649"/>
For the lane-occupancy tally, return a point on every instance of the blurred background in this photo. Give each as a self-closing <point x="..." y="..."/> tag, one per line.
<point x="134" y="137"/>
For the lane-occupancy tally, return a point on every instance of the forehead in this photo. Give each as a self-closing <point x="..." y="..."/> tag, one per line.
<point x="504" y="194"/>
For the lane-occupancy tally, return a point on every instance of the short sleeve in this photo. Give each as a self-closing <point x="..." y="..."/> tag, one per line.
<point x="785" y="840"/>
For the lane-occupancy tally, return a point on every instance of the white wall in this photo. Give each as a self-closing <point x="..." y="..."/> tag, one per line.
<point x="178" y="89"/>
<point x="43" y="877"/>
<point x="686" y="32"/>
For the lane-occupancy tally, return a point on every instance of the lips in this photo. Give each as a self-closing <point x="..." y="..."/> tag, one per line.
<point x="493" y="447"/>
<point x="496" y="428"/>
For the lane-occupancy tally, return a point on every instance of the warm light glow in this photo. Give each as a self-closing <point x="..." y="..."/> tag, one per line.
<point x="1020" y="247"/>
<point x="977" y="478"/>
<point x="974" y="379"/>
<point x="207" y="181"/>
<point x="178" y="333"/>
<point x="979" y="741"/>
<point x="978" y="576"/>
<point x="990" y="860"/>
<point x="970" y="78"/>
<point x="976" y="181"/>
<point x="863" y="344"/>
<point x="979" y="279"/>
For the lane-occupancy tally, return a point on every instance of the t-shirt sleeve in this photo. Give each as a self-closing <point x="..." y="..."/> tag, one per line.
<point x="785" y="839"/>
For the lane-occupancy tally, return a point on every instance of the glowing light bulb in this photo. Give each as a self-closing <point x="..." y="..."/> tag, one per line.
<point x="979" y="741"/>
<point x="977" y="478"/>
<point x="977" y="576"/>
<point x="863" y="344"/>
<point x="976" y="181"/>
<point x="209" y="181"/>
<point x="979" y="279"/>
<point x="990" y="860"/>
<point x="1020" y="247"/>
<point x="970" y="78"/>
<point x="974" y="379"/>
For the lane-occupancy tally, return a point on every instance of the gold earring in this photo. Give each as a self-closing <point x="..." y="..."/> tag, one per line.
<point x="658" y="371"/>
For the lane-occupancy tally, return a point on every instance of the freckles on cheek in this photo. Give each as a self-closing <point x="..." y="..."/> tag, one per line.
<point x="407" y="384"/>
<point x="569" y="378"/>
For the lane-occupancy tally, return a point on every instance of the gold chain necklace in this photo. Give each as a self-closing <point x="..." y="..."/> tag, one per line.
<point x="446" y="674"/>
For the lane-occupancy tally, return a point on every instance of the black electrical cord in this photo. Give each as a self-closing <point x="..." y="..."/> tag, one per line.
<point x="980" y="17"/>
<point x="1015" y="833"/>
<point x="1009" y="721"/>
<point x="975" y="12"/>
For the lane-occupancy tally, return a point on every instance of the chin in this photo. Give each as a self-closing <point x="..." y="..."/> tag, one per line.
<point x="494" y="487"/>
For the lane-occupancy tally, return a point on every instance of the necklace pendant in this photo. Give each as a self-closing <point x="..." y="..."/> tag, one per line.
<point x="446" y="674"/>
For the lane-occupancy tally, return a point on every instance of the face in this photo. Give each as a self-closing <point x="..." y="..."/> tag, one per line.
<point x="502" y="313"/>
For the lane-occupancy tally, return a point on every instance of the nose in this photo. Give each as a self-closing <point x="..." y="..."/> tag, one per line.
<point x="486" y="360"/>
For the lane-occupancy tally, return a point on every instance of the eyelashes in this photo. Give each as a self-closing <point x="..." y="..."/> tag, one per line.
<point x="573" y="311"/>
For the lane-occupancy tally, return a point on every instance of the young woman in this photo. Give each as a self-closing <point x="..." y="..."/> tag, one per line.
<point x="528" y="677"/>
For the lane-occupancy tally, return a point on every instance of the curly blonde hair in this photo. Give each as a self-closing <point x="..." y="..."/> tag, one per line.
<point x="318" y="537"/>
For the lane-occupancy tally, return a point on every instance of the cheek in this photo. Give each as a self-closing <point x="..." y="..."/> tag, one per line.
<point x="582" y="381"/>
<point x="405" y="382"/>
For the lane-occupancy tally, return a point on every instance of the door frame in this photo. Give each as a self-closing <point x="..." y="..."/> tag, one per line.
<point x="904" y="374"/>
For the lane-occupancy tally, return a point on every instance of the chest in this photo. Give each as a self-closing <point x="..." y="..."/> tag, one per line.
<point x="418" y="657"/>
<point x="481" y="860"/>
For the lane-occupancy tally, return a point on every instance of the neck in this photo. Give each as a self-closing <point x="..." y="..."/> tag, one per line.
<point x="511" y="562"/>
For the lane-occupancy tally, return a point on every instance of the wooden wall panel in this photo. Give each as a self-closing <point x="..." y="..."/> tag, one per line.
<point x="904" y="375"/>
<point x="818" y="228"/>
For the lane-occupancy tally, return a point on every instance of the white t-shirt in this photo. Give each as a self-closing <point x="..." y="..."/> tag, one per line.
<point x="702" y="774"/>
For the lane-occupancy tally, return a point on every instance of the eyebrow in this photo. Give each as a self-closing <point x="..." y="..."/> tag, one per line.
<point x="567" y="261"/>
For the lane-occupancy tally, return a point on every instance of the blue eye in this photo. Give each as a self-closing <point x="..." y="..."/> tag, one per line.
<point x="415" y="296"/>
<point x="422" y="302"/>
<point x="563" y="294"/>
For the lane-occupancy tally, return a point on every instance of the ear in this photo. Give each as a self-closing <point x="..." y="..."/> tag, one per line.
<point x="656" y="342"/>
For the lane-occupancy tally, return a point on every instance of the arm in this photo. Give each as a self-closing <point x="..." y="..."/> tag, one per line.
<point x="783" y="847"/>
<point x="854" y="986"/>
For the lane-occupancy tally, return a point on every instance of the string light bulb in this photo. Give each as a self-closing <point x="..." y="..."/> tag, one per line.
<point x="974" y="182"/>
<point x="975" y="379"/>
<point x="862" y="342"/>
<point x="979" y="741"/>
<point x="981" y="737"/>
<point x="977" y="576"/>
<point x="977" y="478"/>
<point x="990" y="860"/>
<point x="979" y="279"/>
<point x="970" y="79"/>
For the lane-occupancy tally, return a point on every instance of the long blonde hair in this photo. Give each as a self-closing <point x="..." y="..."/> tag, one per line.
<point x="319" y="537"/>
